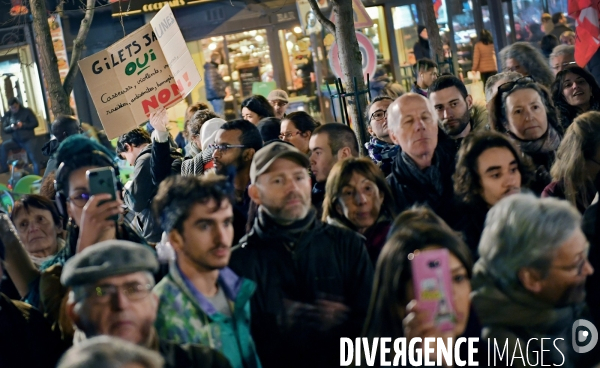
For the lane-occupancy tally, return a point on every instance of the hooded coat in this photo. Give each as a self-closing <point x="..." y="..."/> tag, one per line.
<point x="421" y="48"/>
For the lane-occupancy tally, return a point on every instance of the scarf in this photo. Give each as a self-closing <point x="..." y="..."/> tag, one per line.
<point x="381" y="151"/>
<point x="288" y="234"/>
<point x="39" y="260"/>
<point x="548" y="142"/>
<point x="430" y="176"/>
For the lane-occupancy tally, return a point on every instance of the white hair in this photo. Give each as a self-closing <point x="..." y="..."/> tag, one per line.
<point x="525" y="231"/>
<point x="109" y="352"/>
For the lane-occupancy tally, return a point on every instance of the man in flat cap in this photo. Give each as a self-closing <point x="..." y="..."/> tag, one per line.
<point x="111" y="285"/>
<point x="201" y="300"/>
<point x="278" y="98"/>
<point x="314" y="280"/>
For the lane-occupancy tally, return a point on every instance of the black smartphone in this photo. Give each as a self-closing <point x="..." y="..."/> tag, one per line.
<point x="103" y="180"/>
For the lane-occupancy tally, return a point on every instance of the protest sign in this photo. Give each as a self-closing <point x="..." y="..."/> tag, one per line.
<point x="148" y="69"/>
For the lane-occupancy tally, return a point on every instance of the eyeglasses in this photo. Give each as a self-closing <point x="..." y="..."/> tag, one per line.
<point x="289" y="135"/>
<point x="508" y="86"/>
<point x="563" y="65"/>
<point x="103" y="294"/>
<point x="378" y="115"/>
<point x="579" y="266"/>
<point x="80" y="200"/>
<point x="225" y="147"/>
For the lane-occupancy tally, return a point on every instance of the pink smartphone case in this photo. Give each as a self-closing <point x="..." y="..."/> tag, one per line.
<point x="432" y="282"/>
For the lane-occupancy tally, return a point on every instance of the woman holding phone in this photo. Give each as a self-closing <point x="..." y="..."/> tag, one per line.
<point x="88" y="223"/>
<point x="394" y="311"/>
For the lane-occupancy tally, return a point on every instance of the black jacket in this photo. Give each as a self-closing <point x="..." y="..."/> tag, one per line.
<point x="215" y="85"/>
<point x="153" y="164"/>
<point x="26" y="338"/>
<point x="470" y="221"/>
<point x="49" y="149"/>
<point x="25" y="116"/>
<point x="408" y="192"/>
<point x="320" y="262"/>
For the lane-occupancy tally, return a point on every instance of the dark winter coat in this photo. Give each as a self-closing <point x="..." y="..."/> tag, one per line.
<point x="49" y="149"/>
<point x="25" y="116"/>
<point x="421" y="49"/>
<point x="26" y="338"/>
<point x="214" y="83"/>
<point x="560" y="29"/>
<point x="409" y="191"/>
<point x="313" y="261"/>
<point x="470" y="221"/>
<point x="157" y="161"/>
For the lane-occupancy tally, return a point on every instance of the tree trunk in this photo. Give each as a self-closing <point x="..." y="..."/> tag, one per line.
<point x="350" y="61"/>
<point x="433" y="31"/>
<point x="59" y="100"/>
<point x="78" y="43"/>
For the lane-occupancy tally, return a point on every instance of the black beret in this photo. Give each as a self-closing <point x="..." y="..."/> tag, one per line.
<point x="106" y="259"/>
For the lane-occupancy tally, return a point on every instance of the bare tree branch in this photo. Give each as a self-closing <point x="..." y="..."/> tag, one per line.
<point x="78" y="43"/>
<point x="321" y="17"/>
<point x="49" y="63"/>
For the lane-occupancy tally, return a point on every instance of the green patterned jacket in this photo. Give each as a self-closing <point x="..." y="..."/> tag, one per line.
<point x="186" y="316"/>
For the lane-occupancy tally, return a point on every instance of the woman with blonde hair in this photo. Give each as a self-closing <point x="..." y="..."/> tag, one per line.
<point x="357" y="197"/>
<point x="577" y="163"/>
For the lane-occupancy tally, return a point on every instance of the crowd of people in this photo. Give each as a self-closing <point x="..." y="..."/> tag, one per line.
<point x="268" y="238"/>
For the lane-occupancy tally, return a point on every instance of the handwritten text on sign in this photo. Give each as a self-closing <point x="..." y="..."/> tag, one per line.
<point x="148" y="69"/>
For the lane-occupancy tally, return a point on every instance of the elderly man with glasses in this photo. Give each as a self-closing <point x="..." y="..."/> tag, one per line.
<point x="236" y="142"/>
<point x="111" y="285"/>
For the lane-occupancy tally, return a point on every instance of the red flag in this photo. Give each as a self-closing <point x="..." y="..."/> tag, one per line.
<point x="587" y="28"/>
<point x="436" y="6"/>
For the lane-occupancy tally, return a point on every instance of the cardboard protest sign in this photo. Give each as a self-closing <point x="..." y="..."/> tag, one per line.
<point x="150" y="68"/>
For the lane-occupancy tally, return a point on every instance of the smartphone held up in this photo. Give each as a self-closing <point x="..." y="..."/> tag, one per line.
<point x="103" y="180"/>
<point x="432" y="281"/>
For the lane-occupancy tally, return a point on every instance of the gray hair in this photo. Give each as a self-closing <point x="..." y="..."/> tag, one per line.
<point x="525" y="231"/>
<point x="506" y="76"/>
<point x="562" y="50"/>
<point x="109" y="352"/>
<point x="530" y="59"/>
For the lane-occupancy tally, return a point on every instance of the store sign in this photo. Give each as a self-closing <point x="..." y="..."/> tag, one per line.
<point x="148" y="69"/>
<point x="130" y="7"/>
<point x="367" y="51"/>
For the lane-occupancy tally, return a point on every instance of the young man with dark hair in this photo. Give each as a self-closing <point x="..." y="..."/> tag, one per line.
<point x="426" y="71"/>
<point x="560" y="25"/>
<point x="329" y="144"/>
<point x="457" y="114"/>
<point x="20" y="122"/>
<point x="201" y="300"/>
<point x="381" y="148"/>
<point x="314" y="279"/>
<point x="236" y="142"/>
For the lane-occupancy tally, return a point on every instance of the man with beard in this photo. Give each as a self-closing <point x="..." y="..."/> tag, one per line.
<point x="111" y="284"/>
<point x="457" y="114"/>
<point x="314" y="280"/>
<point x="529" y="284"/>
<point x="381" y="148"/>
<point x="202" y="301"/>
<point x="236" y="142"/>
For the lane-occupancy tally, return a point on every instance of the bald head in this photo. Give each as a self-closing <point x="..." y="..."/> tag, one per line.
<point x="413" y="125"/>
<point x="65" y="126"/>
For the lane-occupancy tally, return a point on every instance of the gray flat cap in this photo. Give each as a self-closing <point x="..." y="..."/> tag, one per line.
<point x="106" y="259"/>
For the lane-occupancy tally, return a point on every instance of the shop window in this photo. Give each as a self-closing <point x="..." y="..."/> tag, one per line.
<point x="244" y="62"/>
